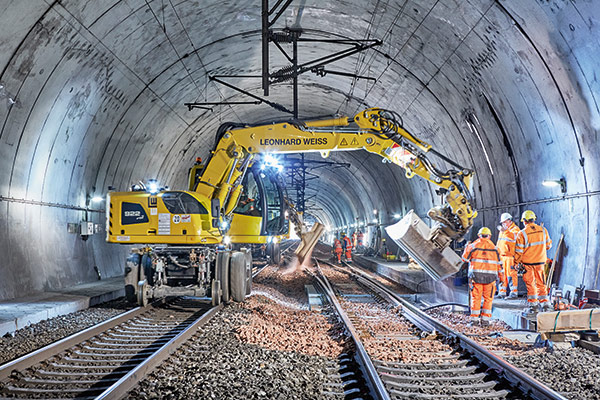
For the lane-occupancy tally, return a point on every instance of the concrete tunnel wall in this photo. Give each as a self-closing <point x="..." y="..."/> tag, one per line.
<point x="91" y="95"/>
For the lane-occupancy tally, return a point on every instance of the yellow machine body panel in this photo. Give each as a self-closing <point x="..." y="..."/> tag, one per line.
<point x="248" y="228"/>
<point x="174" y="217"/>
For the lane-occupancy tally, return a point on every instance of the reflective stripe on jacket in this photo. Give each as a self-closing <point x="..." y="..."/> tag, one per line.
<point x="484" y="260"/>
<point x="347" y="242"/>
<point x="337" y="244"/>
<point x="507" y="240"/>
<point x="531" y="245"/>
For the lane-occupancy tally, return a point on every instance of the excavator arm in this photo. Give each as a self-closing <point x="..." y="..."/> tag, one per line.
<point x="374" y="130"/>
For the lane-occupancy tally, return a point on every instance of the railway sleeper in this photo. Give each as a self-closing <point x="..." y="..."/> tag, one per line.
<point x="37" y="381"/>
<point x="436" y="372"/>
<point x="92" y="367"/>
<point x="149" y="332"/>
<point x="25" y="390"/>
<point x="460" y="389"/>
<point x="99" y="354"/>
<point x="447" y="379"/>
<point x="395" y="394"/>
<point x="104" y="361"/>
<point x="118" y="350"/>
<point x="428" y="365"/>
<point x="143" y="338"/>
<point x="122" y="343"/>
<point x="66" y="374"/>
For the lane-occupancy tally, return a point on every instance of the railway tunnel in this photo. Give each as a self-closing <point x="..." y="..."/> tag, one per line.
<point x="92" y="97"/>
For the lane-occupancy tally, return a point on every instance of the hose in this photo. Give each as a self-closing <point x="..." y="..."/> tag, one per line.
<point x="444" y="305"/>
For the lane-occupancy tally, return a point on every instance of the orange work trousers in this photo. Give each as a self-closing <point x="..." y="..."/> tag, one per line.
<point x="349" y="255"/>
<point x="535" y="280"/>
<point x="479" y="291"/>
<point x="511" y="278"/>
<point x="338" y="253"/>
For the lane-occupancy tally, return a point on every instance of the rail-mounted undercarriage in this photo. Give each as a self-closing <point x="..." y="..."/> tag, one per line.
<point x="160" y="271"/>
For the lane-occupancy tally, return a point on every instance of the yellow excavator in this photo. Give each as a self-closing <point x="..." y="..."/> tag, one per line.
<point x="234" y="198"/>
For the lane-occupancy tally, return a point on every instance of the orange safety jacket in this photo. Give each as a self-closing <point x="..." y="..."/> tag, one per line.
<point x="347" y="243"/>
<point x="360" y="238"/>
<point x="507" y="240"/>
<point x="484" y="260"/>
<point x="337" y="244"/>
<point x="531" y="245"/>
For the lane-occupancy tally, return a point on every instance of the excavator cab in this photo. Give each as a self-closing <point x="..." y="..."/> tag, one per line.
<point x="260" y="214"/>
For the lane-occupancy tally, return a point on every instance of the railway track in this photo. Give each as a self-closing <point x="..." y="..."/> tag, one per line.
<point x="433" y="362"/>
<point x="108" y="359"/>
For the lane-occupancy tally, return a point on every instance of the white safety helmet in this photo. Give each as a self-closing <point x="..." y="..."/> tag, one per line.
<point x="505" y="217"/>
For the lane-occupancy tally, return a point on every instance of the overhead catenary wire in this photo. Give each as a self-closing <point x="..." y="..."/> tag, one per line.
<point x="398" y="53"/>
<point x="361" y="56"/>
<point x="180" y="58"/>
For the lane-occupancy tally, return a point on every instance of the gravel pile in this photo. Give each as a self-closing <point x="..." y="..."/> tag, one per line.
<point x="214" y="364"/>
<point x="573" y="372"/>
<point x="284" y="285"/>
<point x="459" y="321"/>
<point x="45" y="332"/>
<point x="480" y="334"/>
<point x="276" y="327"/>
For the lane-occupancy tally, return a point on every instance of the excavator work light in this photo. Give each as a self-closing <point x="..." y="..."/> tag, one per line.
<point x="152" y="186"/>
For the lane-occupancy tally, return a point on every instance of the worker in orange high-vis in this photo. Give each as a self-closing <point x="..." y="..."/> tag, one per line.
<point x="506" y="248"/>
<point x="485" y="269"/>
<point x="347" y="245"/>
<point x="337" y="249"/>
<point x="354" y="239"/>
<point x="360" y="237"/>
<point x="531" y="245"/>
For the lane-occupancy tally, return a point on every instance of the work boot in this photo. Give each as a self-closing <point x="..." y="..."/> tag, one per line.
<point x="485" y="322"/>
<point x="545" y="306"/>
<point x="513" y="296"/>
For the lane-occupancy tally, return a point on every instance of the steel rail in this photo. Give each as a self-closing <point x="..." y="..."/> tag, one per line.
<point x="373" y="377"/>
<point x="521" y="380"/>
<point x="52" y="349"/>
<point x="120" y="388"/>
<point x="259" y="270"/>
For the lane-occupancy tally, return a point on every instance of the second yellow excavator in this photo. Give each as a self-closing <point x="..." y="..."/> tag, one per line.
<point x="182" y="229"/>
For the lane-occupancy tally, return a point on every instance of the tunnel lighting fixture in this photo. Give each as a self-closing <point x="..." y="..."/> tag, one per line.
<point x="554" y="182"/>
<point x="374" y="220"/>
<point x="375" y="211"/>
<point x="97" y="199"/>
<point x="227" y="240"/>
<point x="397" y="216"/>
<point x="224" y="225"/>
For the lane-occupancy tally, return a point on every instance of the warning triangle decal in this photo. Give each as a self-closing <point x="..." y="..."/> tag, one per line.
<point x="354" y="142"/>
<point x="344" y="142"/>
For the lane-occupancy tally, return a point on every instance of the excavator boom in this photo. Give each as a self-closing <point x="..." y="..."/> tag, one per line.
<point x="376" y="131"/>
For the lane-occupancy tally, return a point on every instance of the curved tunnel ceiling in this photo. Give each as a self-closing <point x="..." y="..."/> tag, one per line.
<point x="92" y="95"/>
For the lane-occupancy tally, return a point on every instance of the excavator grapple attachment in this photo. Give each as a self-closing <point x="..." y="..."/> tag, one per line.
<point x="416" y="238"/>
<point x="309" y="241"/>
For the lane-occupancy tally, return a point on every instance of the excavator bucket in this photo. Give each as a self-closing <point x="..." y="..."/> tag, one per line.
<point x="309" y="241"/>
<point x="414" y="237"/>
